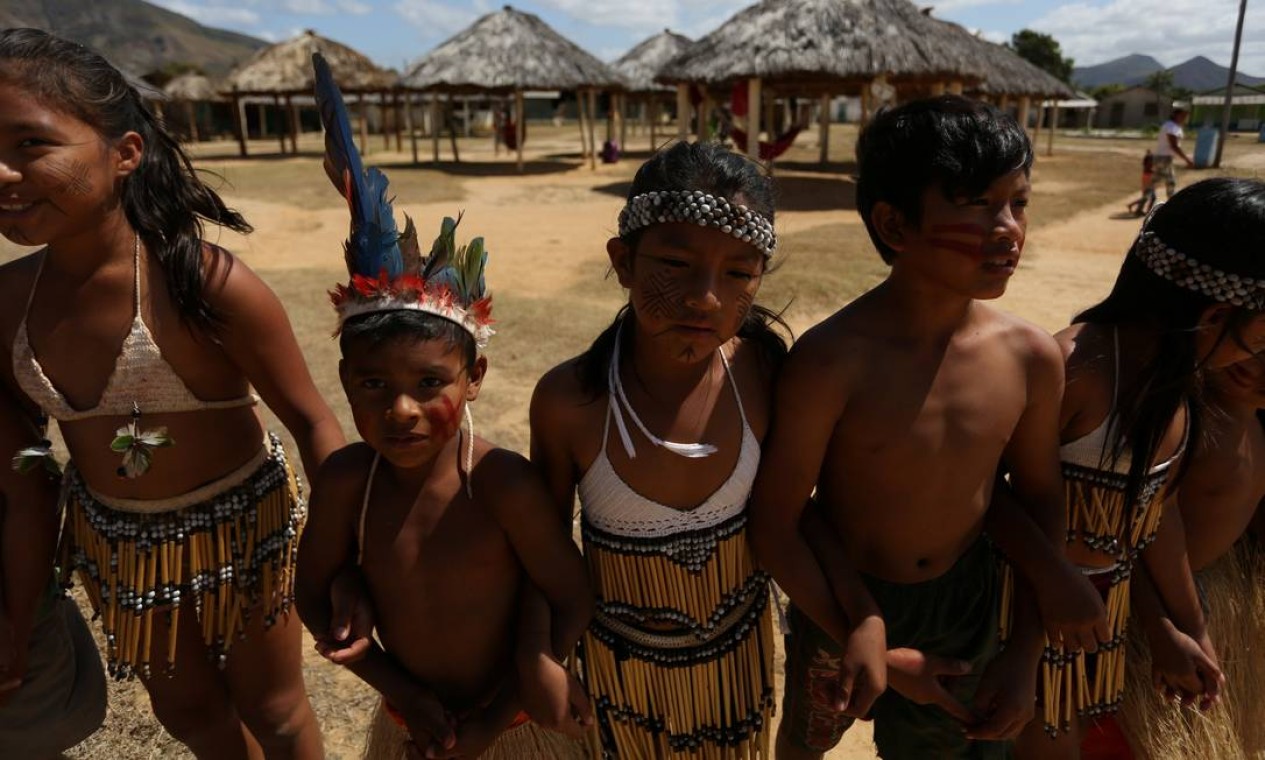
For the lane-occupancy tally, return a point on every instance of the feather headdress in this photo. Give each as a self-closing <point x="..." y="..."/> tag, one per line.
<point x="387" y="269"/>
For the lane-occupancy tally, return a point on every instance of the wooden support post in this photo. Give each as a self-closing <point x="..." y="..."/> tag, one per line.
<point x="866" y="94"/>
<point x="705" y="109"/>
<point x="1036" y="133"/>
<point x="623" y="124"/>
<point x="682" y="111"/>
<point x="191" y="116"/>
<point x="1054" y="127"/>
<point x="520" y="115"/>
<point x="1003" y="102"/>
<point x="579" y="117"/>
<point x="955" y="87"/>
<point x="408" y="123"/>
<point x="363" y="114"/>
<point x="653" y="118"/>
<point x="396" y="120"/>
<point x="282" y="127"/>
<point x="768" y="112"/>
<point x="450" y="119"/>
<point x="434" y="126"/>
<point x="753" y="118"/>
<point x="592" y="129"/>
<point x="824" y="118"/>
<point x="937" y="89"/>
<point x="1025" y="106"/>
<point x="239" y="121"/>
<point x="292" y="118"/>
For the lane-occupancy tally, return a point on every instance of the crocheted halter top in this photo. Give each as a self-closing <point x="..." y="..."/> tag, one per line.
<point x="141" y="376"/>
<point x="611" y="506"/>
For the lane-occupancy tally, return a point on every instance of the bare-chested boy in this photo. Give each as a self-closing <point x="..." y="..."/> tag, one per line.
<point x="901" y="409"/>
<point x="445" y="528"/>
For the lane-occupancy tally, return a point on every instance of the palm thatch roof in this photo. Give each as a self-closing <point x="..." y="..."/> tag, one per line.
<point x="286" y="67"/>
<point x="1006" y="72"/>
<point x="191" y="87"/>
<point x="642" y="64"/>
<point x="832" y="44"/>
<point x="505" y="51"/>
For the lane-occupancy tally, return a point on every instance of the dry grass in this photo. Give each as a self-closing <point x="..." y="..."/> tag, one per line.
<point x="826" y="260"/>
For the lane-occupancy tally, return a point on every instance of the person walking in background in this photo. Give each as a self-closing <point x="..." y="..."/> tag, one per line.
<point x="1167" y="147"/>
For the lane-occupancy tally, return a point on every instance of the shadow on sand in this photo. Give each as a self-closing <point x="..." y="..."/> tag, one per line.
<point x="504" y="168"/>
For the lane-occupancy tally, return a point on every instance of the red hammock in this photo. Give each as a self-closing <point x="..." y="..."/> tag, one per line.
<point x="509" y="134"/>
<point x="768" y="151"/>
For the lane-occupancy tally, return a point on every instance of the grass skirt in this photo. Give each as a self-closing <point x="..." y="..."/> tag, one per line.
<point x="1234" y="595"/>
<point x="527" y="741"/>
<point x="223" y="558"/>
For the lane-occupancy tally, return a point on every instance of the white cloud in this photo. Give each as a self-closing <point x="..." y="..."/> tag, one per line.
<point x="643" y="15"/>
<point x="435" y="19"/>
<point x="212" y="15"/>
<point x="1171" y="31"/>
<point x="307" y="7"/>
<point x="943" y="6"/>
<point x="355" y="7"/>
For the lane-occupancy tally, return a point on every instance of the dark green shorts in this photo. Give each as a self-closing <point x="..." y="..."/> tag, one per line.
<point x="954" y="615"/>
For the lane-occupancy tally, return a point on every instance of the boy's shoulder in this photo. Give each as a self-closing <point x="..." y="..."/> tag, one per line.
<point x="351" y="462"/>
<point x="1022" y="337"/>
<point x="502" y="478"/>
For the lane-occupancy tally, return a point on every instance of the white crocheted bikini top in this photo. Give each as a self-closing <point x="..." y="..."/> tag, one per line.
<point x="141" y="376"/>
<point x="612" y="506"/>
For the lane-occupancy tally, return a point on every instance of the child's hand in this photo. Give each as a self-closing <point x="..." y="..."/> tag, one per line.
<point x="1006" y="696"/>
<point x="1073" y="611"/>
<point x="553" y="696"/>
<point x="1185" y="668"/>
<point x="431" y="728"/>
<point x="919" y="677"/>
<point x="864" y="673"/>
<point x="351" y="620"/>
<point x="474" y="735"/>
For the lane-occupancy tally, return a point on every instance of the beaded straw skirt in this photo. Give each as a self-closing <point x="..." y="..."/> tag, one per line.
<point x="679" y="657"/>
<point x="1083" y="684"/>
<point x="223" y="553"/>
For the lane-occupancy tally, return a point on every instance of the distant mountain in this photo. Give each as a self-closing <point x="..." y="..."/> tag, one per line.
<point x="1197" y="75"/>
<point x="1200" y="75"/>
<point x="1127" y="70"/>
<point x="133" y="34"/>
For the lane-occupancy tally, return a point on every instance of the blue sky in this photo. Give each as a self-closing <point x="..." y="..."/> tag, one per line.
<point x="1091" y="31"/>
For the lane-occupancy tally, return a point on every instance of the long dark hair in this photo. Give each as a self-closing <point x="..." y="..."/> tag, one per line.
<point x="165" y="201"/>
<point x="714" y="169"/>
<point x="1218" y="222"/>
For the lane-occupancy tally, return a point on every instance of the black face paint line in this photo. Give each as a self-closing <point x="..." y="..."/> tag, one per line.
<point x="72" y="177"/>
<point x="661" y="295"/>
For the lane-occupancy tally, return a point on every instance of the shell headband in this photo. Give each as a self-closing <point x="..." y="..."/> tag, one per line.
<point x="387" y="269"/>
<point x="703" y="209"/>
<point x="1186" y="272"/>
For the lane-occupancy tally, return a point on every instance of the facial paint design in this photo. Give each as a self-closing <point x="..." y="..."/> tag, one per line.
<point x="964" y="239"/>
<point x="745" y="301"/>
<point x="73" y="177"/>
<point x="661" y="295"/>
<point x="443" y="418"/>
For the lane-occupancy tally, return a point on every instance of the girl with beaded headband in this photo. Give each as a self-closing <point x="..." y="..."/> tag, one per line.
<point x="143" y="341"/>
<point x="657" y="426"/>
<point x="1188" y="299"/>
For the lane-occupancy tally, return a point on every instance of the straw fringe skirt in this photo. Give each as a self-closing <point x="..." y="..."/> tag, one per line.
<point x="224" y="557"/>
<point x="387" y="740"/>
<point x="1234" y="592"/>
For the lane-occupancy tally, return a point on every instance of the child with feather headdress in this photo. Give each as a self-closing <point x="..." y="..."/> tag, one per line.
<point x="441" y="529"/>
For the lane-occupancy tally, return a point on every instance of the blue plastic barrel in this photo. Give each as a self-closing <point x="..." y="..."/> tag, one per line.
<point x="1205" y="147"/>
<point x="1261" y="137"/>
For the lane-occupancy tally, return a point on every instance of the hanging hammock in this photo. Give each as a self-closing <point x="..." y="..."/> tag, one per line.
<point x="768" y="151"/>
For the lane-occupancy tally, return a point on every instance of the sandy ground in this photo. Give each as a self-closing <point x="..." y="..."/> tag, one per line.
<point x="547" y="232"/>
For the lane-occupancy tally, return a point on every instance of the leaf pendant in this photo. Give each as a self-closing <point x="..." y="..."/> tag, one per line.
<point x="137" y="446"/>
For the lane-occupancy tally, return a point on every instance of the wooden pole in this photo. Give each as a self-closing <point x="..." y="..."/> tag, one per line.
<point x="824" y="118"/>
<point x="191" y="116"/>
<point x="653" y="118"/>
<point x="450" y="120"/>
<point x="1025" y="107"/>
<point x="592" y="128"/>
<point x="239" y="121"/>
<point x="1228" y="103"/>
<point x="363" y="115"/>
<point x="955" y="87"/>
<point x="768" y="115"/>
<point x="937" y="89"/>
<point x="705" y="117"/>
<point x="396" y="120"/>
<point x="579" y="115"/>
<point x="408" y="123"/>
<point x="519" y="115"/>
<point x="292" y="118"/>
<point x="282" y="128"/>
<point x="434" y="126"/>
<point x="383" y="112"/>
<point x="623" y="124"/>
<point x="865" y="102"/>
<point x="682" y="111"/>
<point x="753" y="118"/>
<point x="1054" y="127"/>
<point x="1036" y="133"/>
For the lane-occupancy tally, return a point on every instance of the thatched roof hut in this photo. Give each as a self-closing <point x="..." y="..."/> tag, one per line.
<point x="1006" y="73"/>
<point x="191" y="87"/>
<point x="837" y="46"/>
<point x="642" y="64"/>
<point x="286" y="67"/>
<point x="504" y="52"/>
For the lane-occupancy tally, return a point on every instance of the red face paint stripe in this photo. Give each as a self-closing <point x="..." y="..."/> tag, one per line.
<point x="443" y="419"/>
<point x="966" y="249"/>
<point x="959" y="229"/>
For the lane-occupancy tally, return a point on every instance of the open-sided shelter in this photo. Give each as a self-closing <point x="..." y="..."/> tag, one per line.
<point x="639" y="68"/>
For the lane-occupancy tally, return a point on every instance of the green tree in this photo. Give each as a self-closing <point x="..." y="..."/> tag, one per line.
<point x="1042" y="51"/>
<point x="1161" y="83"/>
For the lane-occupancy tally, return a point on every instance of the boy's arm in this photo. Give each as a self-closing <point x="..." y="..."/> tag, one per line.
<point x="28" y="538"/>
<point x="327" y="545"/>
<point x="807" y="405"/>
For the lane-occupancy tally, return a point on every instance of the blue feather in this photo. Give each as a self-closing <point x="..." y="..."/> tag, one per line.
<point x="373" y="245"/>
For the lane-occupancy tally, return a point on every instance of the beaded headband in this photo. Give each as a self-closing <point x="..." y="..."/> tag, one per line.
<point x="1184" y="271"/>
<point x="703" y="209"/>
